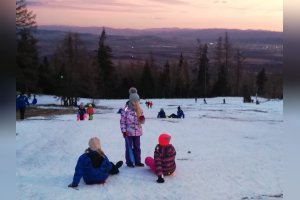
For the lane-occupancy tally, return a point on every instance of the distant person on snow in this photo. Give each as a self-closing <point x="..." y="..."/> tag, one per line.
<point x="161" y="114"/>
<point x="163" y="163"/>
<point x="131" y="126"/>
<point x="34" y="100"/>
<point x="204" y="100"/>
<point x="90" y="111"/>
<point x="93" y="166"/>
<point x="224" y="102"/>
<point x="150" y="104"/>
<point x="81" y="115"/>
<point x="21" y="104"/>
<point x="179" y="115"/>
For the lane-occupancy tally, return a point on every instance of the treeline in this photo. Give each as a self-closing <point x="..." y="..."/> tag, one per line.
<point x="75" y="72"/>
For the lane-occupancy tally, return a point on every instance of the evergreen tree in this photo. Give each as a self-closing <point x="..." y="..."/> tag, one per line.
<point x="179" y="78"/>
<point x="186" y="80"/>
<point x="105" y="68"/>
<point x="220" y="87"/>
<point x="45" y="82"/>
<point x="165" y="81"/>
<point x="147" y="83"/>
<point x="203" y="77"/>
<point x="260" y="82"/>
<point x="239" y="61"/>
<point x="228" y="62"/>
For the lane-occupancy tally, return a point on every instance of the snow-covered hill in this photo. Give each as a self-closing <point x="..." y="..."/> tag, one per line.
<point x="236" y="152"/>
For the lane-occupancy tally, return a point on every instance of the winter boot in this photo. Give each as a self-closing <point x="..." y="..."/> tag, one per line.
<point x="139" y="165"/>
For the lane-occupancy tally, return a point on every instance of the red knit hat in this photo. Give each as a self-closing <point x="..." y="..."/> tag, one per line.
<point x="164" y="139"/>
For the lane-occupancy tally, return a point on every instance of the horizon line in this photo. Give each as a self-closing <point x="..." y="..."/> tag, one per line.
<point x="142" y="29"/>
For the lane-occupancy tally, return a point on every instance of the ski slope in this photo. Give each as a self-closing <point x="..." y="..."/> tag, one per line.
<point x="235" y="152"/>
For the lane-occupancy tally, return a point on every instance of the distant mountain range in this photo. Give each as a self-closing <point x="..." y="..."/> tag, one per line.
<point x="172" y="32"/>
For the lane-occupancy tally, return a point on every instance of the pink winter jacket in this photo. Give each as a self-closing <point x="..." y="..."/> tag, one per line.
<point x="129" y="123"/>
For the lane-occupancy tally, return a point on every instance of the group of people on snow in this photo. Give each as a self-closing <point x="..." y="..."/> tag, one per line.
<point x="95" y="167"/>
<point x="162" y="114"/>
<point x="22" y="102"/>
<point x="149" y="104"/>
<point x="82" y="112"/>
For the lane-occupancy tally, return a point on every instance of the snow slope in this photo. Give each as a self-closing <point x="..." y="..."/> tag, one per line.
<point x="236" y="152"/>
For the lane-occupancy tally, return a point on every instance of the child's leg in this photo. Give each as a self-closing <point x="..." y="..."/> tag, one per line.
<point x="81" y="117"/>
<point x="137" y="149"/>
<point x="149" y="161"/>
<point x="127" y="157"/>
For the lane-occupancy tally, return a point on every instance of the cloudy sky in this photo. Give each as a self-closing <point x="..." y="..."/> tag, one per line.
<point x="240" y="14"/>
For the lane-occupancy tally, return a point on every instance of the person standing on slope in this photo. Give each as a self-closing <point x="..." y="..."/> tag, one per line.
<point x="131" y="126"/>
<point x="90" y="111"/>
<point x="22" y="103"/>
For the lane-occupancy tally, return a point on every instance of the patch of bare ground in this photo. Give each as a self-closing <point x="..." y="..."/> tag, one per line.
<point x="51" y="110"/>
<point x="46" y="112"/>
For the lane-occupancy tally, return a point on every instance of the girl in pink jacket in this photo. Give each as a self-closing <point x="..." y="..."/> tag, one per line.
<point x="131" y="122"/>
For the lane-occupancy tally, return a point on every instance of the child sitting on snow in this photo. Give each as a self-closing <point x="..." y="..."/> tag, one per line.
<point x="90" y="111"/>
<point x="164" y="158"/>
<point x="94" y="166"/>
<point x="81" y="115"/>
<point x="179" y="115"/>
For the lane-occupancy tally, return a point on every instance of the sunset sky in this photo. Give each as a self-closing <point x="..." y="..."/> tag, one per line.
<point x="239" y="14"/>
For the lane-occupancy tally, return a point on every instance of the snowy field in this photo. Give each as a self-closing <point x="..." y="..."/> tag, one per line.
<point x="236" y="152"/>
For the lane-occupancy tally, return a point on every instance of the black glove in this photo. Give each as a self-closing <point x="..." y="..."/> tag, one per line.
<point x="72" y="185"/>
<point x="160" y="179"/>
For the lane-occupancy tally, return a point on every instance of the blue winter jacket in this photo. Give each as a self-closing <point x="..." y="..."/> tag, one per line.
<point x="91" y="175"/>
<point x="21" y="102"/>
<point x="34" y="101"/>
<point x="180" y="113"/>
<point x="161" y="114"/>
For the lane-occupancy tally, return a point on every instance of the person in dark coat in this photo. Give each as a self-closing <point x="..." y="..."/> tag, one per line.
<point x="163" y="163"/>
<point x="34" y="100"/>
<point x="81" y="115"/>
<point x="179" y="115"/>
<point x="94" y="166"/>
<point x="21" y="104"/>
<point x="161" y="114"/>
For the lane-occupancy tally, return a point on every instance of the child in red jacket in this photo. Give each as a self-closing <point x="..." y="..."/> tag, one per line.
<point x="164" y="158"/>
<point x="90" y="111"/>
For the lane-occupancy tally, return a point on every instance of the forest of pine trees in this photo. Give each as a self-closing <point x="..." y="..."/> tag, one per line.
<point x="72" y="72"/>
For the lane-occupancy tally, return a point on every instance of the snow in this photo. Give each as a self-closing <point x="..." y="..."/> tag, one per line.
<point x="236" y="151"/>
